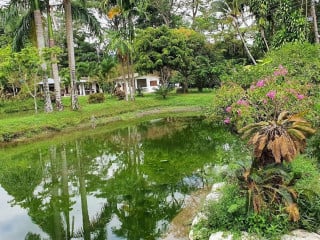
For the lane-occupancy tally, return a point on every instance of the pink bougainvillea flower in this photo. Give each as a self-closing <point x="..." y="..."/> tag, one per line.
<point x="229" y="109"/>
<point x="281" y="71"/>
<point x="300" y="96"/>
<point x="260" y="83"/>
<point x="271" y="94"/>
<point x="264" y="101"/>
<point x="227" y="120"/>
<point x="242" y="102"/>
<point x="239" y="112"/>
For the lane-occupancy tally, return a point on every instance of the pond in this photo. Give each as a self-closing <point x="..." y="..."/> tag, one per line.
<point x="124" y="184"/>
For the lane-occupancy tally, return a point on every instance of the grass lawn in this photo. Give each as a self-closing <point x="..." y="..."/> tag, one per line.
<point x="24" y="125"/>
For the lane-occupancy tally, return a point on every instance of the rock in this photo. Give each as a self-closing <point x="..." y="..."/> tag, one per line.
<point x="220" y="236"/>
<point x="301" y="234"/>
<point x="217" y="186"/>
<point x="198" y="218"/>
<point x="215" y="193"/>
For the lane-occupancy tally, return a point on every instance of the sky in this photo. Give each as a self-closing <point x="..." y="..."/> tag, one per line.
<point x="4" y="2"/>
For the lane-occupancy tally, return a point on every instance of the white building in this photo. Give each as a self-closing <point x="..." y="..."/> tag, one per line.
<point x="147" y="83"/>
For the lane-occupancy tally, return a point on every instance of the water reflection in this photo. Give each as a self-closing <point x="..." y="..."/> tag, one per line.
<point x="127" y="184"/>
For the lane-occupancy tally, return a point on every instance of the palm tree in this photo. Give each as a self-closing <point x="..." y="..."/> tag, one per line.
<point x="232" y="13"/>
<point x="277" y="140"/>
<point x="268" y="182"/>
<point x="71" y="57"/>
<point x="122" y="47"/>
<point x="41" y="46"/>
<point x="54" y="64"/>
<point x="79" y="13"/>
<point x="34" y="14"/>
<point x="25" y="27"/>
<point x="122" y="14"/>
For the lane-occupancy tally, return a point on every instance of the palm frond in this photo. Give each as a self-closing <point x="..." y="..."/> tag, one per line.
<point x="260" y="145"/>
<point x="275" y="147"/>
<point x="293" y="211"/>
<point x="297" y="134"/>
<point x="83" y="15"/>
<point x="251" y="128"/>
<point x="283" y="115"/>
<point x="304" y="129"/>
<point x="22" y="31"/>
<point x="296" y="118"/>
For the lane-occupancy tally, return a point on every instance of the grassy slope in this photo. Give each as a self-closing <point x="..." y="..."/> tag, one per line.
<point x="24" y="126"/>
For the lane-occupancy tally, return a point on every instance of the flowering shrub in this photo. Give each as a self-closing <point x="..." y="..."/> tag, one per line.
<point x="265" y="99"/>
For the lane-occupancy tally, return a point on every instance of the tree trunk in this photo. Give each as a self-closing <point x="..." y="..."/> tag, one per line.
<point x="54" y="65"/>
<point x="83" y="196"/>
<point x="263" y="35"/>
<point x="41" y="45"/>
<point x="236" y="25"/>
<point x="57" y="231"/>
<point x="315" y="23"/>
<point x="65" y="190"/>
<point x="124" y="79"/>
<point x="71" y="57"/>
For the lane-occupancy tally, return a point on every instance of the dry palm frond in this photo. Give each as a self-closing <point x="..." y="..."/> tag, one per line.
<point x="259" y="145"/>
<point x="296" y="118"/>
<point x="304" y="128"/>
<point x="251" y="129"/>
<point x="283" y="115"/>
<point x="288" y="148"/>
<point x="274" y="146"/>
<point x="296" y="134"/>
<point x="293" y="211"/>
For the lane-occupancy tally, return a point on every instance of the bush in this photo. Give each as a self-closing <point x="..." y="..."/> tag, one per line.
<point x="301" y="60"/>
<point x="308" y="188"/>
<point x="120" y="94"/>
<point x="263" y="101"/>
<point x="163" y="90"/>
<point x="96" y="98"/>
<point x="16" y="105"/>
<point x="228" y="212"/>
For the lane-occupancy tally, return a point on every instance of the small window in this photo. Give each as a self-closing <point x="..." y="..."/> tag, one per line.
<point x="141" y="83"/>
<point x="153" y="83"/>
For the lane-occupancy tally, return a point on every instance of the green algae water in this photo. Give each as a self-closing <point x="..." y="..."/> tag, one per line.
<point x="124" y="184"/>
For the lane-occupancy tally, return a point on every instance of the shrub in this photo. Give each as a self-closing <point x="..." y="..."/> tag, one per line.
<point x="120" y="94"/>
<point x="308" y="189"/>
<point x="96" y="98"/>
<point x="228" y="212"/>
<point x="263" y="101"/>
<point x="163" y="90"/>
<point x="301" y="60"/>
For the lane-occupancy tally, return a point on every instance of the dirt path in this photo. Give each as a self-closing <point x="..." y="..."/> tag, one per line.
<point x="180" y="226"/>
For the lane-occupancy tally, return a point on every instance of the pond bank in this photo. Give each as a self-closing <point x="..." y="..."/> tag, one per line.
<point x="180" y="226"/>
<point x="92" y="122"/>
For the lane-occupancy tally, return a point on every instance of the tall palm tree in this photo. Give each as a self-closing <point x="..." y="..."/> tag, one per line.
<point x="78" y="12"/>
<point x="33" y="14"/>
<point x="232" y="14"/>
<point x="54" y="64"/>
<point x="122" y="13"/>
<point x="71" y="57"/>
<point x="41" y="46"/>
<point x="122" y="47"/>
